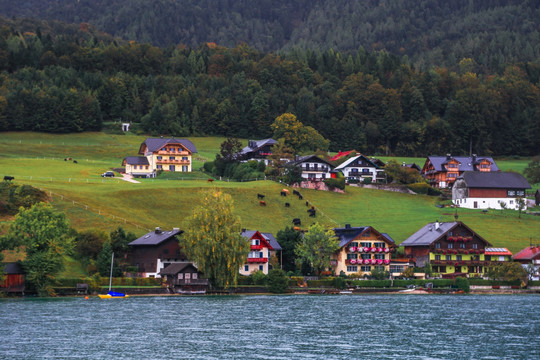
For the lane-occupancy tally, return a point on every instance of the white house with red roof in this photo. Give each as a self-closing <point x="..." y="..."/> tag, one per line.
<point x="529" y="258"/>
<point x="262" y="247"/>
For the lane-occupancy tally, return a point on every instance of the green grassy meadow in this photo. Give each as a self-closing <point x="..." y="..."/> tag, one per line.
<point x="93" y="202"/>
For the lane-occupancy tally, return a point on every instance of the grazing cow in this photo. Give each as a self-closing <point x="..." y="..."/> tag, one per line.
<point x="262" y="203"/>
<point x="69" y="159"/>
<point x="296" y="221"/>
<point x="295" y="192"/>
<point x="286" y="191"/>
<point x="287" y="205"/>
<point x="300" y="197"/>
<point x="312" y="213"/>
<point x="296" y="228"/>
<point x="8" y="178"/>
<point x="307" y="203"/>
<point x="260" y="196"/>
<point x="283" y="193"/>
<point x="75" y="161"/>
<point x="210" y="180"/>
<point x="65" y="159"/>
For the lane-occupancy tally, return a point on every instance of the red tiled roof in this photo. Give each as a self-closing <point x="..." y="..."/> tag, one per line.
<point x="340" y="155"/>
<point x="529" y="253"/>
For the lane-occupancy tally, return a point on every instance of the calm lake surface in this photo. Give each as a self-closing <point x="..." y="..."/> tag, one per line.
<point x="273" y="327"/>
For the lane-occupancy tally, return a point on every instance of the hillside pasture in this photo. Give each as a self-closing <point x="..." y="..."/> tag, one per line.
<point x="91" y="201"/>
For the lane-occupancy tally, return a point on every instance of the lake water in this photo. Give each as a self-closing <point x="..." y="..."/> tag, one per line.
<point x="273" y="327"/>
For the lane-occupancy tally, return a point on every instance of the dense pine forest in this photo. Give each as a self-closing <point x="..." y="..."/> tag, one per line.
<point x="429" y="32"/>
<point x="68" y="78"/>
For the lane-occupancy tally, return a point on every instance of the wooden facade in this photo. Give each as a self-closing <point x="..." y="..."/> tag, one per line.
<point x="184" y="278"/>
<point x="14" y="281"/>
<point x="442" y="171"/>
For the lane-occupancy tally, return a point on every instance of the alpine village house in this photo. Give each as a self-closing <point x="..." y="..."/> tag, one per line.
<point x="361" y="169"/>
<point x="257" y="150"/>
<point x="442" y="171"/>
<point x="362" y="249"/>
<point x="483" y="190"/>
<point x="262" y="247"/>
<point x="453" y="249"/>
<point x="160" y="154"/>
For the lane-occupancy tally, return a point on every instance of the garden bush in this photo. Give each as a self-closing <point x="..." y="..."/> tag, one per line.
<point x="259" y="278"/>
<point x="278" y="282"/>
<point x="419" y="188"/>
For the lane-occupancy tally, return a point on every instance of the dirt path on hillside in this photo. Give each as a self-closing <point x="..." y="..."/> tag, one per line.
<point x="129" y="178"/>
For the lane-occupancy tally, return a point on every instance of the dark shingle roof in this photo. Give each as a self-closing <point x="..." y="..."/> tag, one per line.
<point x="467" y="163"/>
<point x="154" y="144"/>
<point x="13" y="268"/>
<point x="428" y="234"/>
<point x="257" y="144"/>
<point x="175" y="268"/>
<point x="311" y="158"/>
<point x="498" y="180"/>
<point x="136" y="160"/>
<point x="248" y="234"/>
<point x="155" y="237"/>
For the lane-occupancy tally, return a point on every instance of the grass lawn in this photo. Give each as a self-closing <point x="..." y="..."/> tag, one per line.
<point x="93" y="202"/>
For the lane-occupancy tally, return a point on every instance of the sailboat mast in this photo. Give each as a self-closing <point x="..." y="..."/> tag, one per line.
<point x="110" y="277"/>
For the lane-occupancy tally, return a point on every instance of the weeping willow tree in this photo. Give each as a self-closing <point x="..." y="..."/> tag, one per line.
<point x="213" y="241"/>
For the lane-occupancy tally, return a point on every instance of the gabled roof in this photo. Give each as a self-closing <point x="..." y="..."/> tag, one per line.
<point x="349" y="233"/>
<point x="351" y="160"/>
<point x="155" y="237"/>
<point x="256" y="145"/>
<point x="466" y="163"/>
<point x="309" y="158"/>
<point x="13" y="268"/>
<point x="529" y="253"/>
<point x="429" y="234"/>
<point x="496" y="180"/>
<point x="136" y="160"/>
<point x="176" y="268"/>
<point x="269" y="237"/>
<point x="154" y="144"/>
<point x="341" y="154"/>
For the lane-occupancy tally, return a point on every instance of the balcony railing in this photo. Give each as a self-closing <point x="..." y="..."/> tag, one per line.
<point x="257" y="260"/>
<point x="175" y="161"/>
<point x="161" y="152"/>
<point x="464" y="262"/>
<point x="312" y="168"/>
<point x="190" y="282"/>
<point x="256" y="247"/>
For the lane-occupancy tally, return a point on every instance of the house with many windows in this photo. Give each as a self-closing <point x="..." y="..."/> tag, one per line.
<point x="452" y="249"/>
<point x="529" y="258"/>
<point x="361" y="169"/>
<point x="313" y="167"/>
<point x="262" y="247"/>
<point x="490" y="190"/>
<point x="362" y="250"/>
<point x="442" y="171"/>
<point x="160" y="154"/>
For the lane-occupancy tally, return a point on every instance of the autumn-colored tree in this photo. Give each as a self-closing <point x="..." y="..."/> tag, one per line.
<point x="292" y="133"/>
<point x="317" y="246"/>
<point x="213" y="241"/>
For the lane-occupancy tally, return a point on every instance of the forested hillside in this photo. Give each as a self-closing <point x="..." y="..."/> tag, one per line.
<point x="66" y="81"/>
<point x="430" y="32"/>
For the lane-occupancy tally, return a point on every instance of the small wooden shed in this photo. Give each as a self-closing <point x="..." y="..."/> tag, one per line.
<point x="184" y="278"/>
<point x="14" y="281"/>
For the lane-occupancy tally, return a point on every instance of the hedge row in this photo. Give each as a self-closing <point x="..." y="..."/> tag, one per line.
<point x="104" y="281"/>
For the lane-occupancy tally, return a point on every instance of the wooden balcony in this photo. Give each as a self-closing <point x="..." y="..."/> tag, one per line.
<point x="256" y="247"/>
<point x="257" y="260"/>
<point x="170" y="153"/>
<point x="175" y="161"/>
<point x="183" y="282"/>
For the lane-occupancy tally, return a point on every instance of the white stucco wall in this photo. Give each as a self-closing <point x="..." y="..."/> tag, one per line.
<point x="487" y="203"/>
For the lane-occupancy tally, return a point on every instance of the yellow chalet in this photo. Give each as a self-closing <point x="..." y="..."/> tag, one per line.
<point x="362" y="249"/>
<point x="160" y="154"/>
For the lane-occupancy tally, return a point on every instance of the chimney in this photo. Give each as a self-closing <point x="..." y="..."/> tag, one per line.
<point x="158" y="230"/>
<point x="473" y="158"/>
<point x="437" y="225"/>
<point x="448" y="156"/>
<point x="347" y="226"/>
<point x="175" y="229"/>
<point x="243" y="230"/>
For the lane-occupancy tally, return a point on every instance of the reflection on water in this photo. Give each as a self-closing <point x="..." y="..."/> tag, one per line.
<point x="273" y="327"/>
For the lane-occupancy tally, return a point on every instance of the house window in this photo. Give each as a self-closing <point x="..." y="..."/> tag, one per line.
<point x="171" y="157"/>
<point x="437" y="257"/>
<point x="488" y="257"/>
<point x="366" y="256"/>
<point x="246" y="268"/>
<point x="159" y="167"/>
<point x="184" y="168"/>
<point x="380" y="244"/>
<point x="501" y="258"/>
<point x="452" y="175"/>
<point x="365" y="234"/>
<point x="475" y="246"/>
<point x="146" y="167"/>
<point x="188" y="276"/>
<point x="511" y="193"/>
<point x="159" y="157"/>
<point x="365" y="244"/>
<point x="450" y="233"/>
<point x="365" y="268"/>
<point x="261" y="255"/>
<point x="379" y="256"/>
<point x="448" y="257"/>
<point x="311" y="176"/>
<point x="397" y="268"/>
<point x="180" y="276"/>
<point x="255" y="242"/>
<point x="462" y="246"/>
<point x="354" y="243"/>
<point x="511" y="202"/>
<point x="450" y="246"/>
<point x="260" y="267"/>
<point x="365" y="171"/>
<point x="437" y="245"/>
<point x="520" y="193"/>
<point x="352" y="256"/>
<point x="458" y="257"/>
<point x="194" y="276"/>
<point x="184" y="158"/>
<point x="352" y="268"/>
